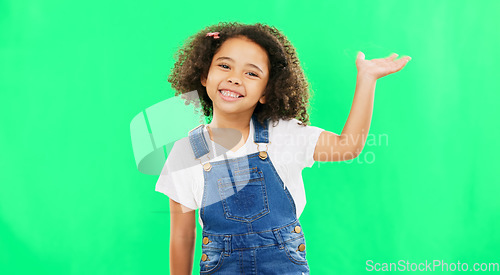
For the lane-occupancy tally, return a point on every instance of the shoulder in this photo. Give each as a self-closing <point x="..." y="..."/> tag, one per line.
<point x="282" y="124"/>
<point x="292" y="127"/>
<point x="181" y="156"/>
<point x="295" y="142"/>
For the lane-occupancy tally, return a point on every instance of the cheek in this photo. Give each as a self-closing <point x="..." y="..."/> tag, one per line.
<point x="211" y="73"/>
<point x="214" y="76"/>
<point x="211" y="80"/>
<point x="264" y="84"/>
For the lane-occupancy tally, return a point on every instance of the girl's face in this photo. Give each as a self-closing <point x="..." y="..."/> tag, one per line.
<point x="237" y="77"/>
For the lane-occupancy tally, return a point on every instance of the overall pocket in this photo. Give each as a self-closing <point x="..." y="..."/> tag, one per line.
<point x="244" y="196"/>
<point x="296" y="250"/>
<point x="211" y="260"/>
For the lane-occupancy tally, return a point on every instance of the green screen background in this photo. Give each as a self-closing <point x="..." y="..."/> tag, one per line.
<point x="74" y="74"/>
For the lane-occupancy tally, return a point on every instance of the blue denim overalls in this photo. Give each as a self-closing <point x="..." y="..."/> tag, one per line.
<point x="249" y="219"/>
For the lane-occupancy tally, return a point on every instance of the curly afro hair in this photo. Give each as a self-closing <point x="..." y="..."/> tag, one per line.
<point x="287" y="90"/>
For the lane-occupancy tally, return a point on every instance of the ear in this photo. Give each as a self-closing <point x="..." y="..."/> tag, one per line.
<point x="203" y="80"/>
<point x="262" y="99"/>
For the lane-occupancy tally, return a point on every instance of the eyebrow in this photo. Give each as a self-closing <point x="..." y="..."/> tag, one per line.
<point x="230" y="59"/>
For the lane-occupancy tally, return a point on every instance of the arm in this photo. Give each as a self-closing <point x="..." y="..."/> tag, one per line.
<point x="182" y="238"/>
<point x="350" y="143"/>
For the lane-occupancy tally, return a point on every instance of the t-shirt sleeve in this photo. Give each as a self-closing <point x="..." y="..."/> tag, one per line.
<point x="175" y="181"/>
<point x="303" y="141"/>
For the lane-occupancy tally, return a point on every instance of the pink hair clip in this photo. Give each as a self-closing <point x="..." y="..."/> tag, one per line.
<point x="215" y="35"/>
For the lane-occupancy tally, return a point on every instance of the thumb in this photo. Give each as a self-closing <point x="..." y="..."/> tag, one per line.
<point x="361" y="56"/>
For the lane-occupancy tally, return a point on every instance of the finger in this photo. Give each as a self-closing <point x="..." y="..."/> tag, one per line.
<point x="392" y="56"/>
<point x="403" y="60"/>
<point x="400" y="63"/>
<point x="360" y="56"/>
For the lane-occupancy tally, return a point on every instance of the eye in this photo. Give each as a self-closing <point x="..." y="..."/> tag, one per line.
<point x="253" y="74"/>
<point x="224" y="66"/>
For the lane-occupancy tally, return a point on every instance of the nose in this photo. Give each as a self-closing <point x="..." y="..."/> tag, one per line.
<point x="233" y="80"/>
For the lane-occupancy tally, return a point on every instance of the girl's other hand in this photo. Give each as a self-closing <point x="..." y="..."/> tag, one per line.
<point x="377" y="68"/>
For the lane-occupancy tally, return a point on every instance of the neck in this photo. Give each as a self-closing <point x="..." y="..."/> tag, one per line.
<point x="230" y="130"/>
<point x="240" y="122"/>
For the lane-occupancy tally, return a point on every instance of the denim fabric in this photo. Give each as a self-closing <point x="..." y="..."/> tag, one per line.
<point x="249" y="216"/>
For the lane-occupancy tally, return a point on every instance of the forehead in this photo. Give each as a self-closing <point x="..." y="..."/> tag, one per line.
<point x="243" y="50"/>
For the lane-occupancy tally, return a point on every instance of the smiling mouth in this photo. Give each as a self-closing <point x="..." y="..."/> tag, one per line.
<point x="229" y="94"/>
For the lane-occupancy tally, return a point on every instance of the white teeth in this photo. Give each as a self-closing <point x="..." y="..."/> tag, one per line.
<point x="230" y="94"/>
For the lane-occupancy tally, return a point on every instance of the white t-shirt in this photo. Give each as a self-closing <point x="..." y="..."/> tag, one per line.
<point x="291" y="149"/>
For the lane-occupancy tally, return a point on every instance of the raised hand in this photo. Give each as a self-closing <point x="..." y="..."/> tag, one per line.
<point x="377" y="68"/>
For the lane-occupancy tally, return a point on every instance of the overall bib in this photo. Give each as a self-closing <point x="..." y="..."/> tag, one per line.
<point x="249" y="217"/>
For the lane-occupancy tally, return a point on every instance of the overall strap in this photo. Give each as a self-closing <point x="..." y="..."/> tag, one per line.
<point x="198" y="142"/>
<point x="261" y="132"/>
<point x="200" y="146"/>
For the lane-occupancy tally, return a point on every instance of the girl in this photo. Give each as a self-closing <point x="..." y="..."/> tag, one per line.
<point x="248" y="186"/>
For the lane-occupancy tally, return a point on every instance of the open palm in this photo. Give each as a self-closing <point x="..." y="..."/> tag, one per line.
<point x="377" y="68"/>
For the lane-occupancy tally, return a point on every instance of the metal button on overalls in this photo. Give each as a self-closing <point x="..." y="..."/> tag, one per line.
<point x="207" y="166"/>
<point x="247" y="212"/>
<point x="205" y="240"/>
